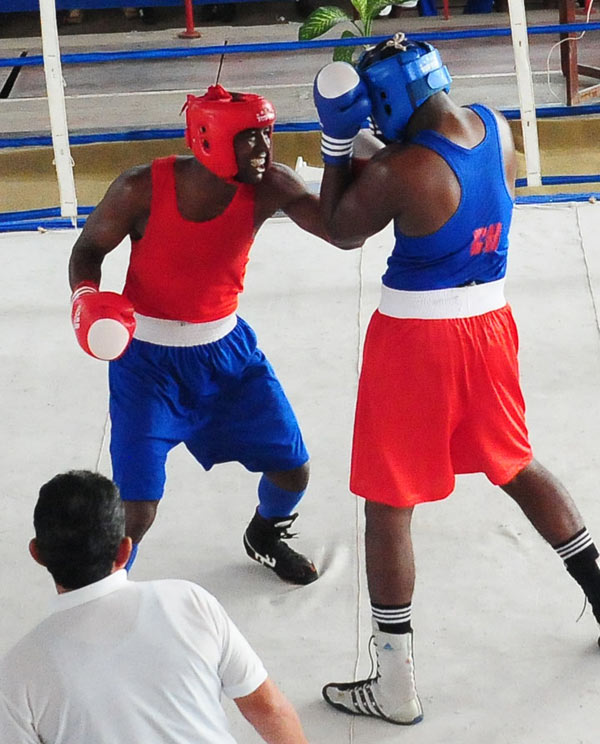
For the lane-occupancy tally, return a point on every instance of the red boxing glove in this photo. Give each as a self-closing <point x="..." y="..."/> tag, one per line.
<point x="103" y="321"/>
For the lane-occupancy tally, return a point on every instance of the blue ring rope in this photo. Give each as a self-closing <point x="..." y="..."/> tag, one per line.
<point x="134" y="135"/>
<point x="45" y="219"/>
<point x="562" y="180"/>
<point x="49" y="218"/>
<point x="558" y="198"/>
<point x="549" y="112"/>
<point x="37" y="214"/>
<point x="280" y="46"/>
<point x="32" y="214"/>
<point x="34" y="226"/>
<point x="52" y="214"/>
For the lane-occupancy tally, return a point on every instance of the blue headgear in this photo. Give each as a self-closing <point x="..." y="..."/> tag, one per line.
<point x="400" y="76"/>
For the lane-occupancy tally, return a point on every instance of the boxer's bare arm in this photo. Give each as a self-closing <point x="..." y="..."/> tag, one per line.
<point x="123" y="211"/>
<point x="509" y="153"/>
<point x="354" y="208"/>
<point x="285" y="190"/>
<point x="409" y="184"/>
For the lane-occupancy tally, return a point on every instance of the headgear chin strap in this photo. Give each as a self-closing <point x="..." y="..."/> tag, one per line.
<point x="400" y="76"/>
<point x="214" y="119"/>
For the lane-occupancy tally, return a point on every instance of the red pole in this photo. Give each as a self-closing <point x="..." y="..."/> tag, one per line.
<point x="190" y="31"/>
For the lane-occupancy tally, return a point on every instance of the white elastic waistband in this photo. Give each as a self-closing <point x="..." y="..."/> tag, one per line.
<point x="457" y="302"/>
<point x="179" y="333"/>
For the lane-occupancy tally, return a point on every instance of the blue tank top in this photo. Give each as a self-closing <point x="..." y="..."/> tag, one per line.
<point x="472" y="246"/>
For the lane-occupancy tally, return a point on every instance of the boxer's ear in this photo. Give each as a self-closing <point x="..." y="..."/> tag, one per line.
<point x="33" y="551"/>
<point x="123" y="553"/>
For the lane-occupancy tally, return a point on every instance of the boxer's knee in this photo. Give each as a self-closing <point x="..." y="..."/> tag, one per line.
<point x="383" y="521"/>
<point x="139" y="516"/>
<point x="545" y="502"/>
<point x="534" y="482"/>
<point x="291" y="480"/>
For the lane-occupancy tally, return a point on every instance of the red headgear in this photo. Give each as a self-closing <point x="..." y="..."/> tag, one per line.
<point x="213" y="120"/>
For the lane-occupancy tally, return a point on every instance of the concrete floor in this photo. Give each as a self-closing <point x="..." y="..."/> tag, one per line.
<point x="500" y="656"/>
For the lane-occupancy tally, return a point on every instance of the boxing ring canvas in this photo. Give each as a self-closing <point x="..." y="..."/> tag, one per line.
<point x="500" y="657"/>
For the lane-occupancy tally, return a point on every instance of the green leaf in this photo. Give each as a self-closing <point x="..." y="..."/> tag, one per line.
<point x="362" y="7"/>
<point x="374" y="6"/>
<point x="320" y="21"/>
<point x="345" y="53"/>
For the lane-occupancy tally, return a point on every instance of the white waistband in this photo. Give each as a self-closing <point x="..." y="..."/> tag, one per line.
<point x="179" y="333"/>
<point x="457" y="302"/>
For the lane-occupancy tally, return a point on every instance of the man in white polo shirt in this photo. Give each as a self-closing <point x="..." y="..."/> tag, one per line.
<point x="120" y="661"/>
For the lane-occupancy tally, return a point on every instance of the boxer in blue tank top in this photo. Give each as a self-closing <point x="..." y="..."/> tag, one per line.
<point x="458" y="254"/>
<point x="439" y="389"/>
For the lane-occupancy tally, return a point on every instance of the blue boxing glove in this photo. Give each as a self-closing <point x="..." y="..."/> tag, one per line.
<point x="343" y="105"/>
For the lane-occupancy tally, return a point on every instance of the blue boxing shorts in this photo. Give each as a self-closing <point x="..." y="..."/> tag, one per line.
<point x="221" y="399"/>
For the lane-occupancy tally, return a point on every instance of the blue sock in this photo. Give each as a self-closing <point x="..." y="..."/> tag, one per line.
<point x="134" y="549"/>
<point x="275" y="501"/>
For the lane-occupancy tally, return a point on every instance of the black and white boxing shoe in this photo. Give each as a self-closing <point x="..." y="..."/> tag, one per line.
<point x="391" y="693"/>
<point x="264" y="541"/>
<point x="360" y="699"/>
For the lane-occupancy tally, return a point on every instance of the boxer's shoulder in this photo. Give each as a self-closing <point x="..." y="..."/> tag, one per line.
<point x="280" y="183"/>
<point x="406" y="160"/>
<point x="280" y="189"/>
<point x="134" y="185"/>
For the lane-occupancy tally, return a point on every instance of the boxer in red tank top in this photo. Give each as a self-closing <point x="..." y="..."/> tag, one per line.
<point x="173" y="336"/>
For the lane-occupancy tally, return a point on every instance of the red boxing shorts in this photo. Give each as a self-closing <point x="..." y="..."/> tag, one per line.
<point x="437" y="397"/>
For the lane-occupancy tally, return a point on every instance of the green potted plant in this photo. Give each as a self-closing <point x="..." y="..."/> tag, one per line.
<point x="325" y="18"/>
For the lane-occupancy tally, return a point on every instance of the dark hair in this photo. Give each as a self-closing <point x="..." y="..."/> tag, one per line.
<point x="79" y="523"/>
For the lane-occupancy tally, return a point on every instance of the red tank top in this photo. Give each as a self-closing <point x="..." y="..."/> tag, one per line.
<point x="184" y="270"/>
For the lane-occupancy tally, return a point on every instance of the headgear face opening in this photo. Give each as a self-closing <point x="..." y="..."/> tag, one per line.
<point x="400" y="76"/>
<point x="214" y="119"/>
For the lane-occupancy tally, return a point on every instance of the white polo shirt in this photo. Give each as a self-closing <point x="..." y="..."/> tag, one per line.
<point x="123" y="662"/>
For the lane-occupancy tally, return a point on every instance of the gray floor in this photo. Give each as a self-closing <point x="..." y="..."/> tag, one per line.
<point x="500" y="655"/>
